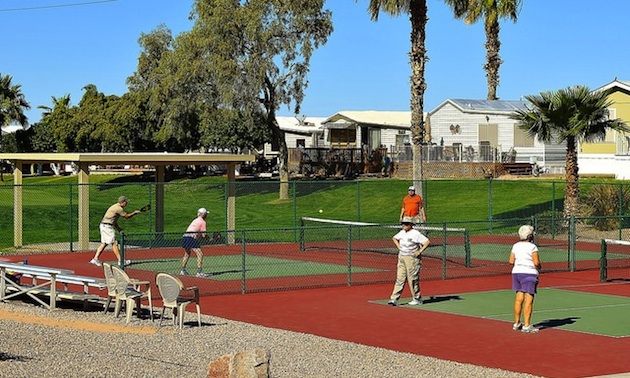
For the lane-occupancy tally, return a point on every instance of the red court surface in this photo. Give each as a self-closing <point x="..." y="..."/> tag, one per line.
<point x="349" y="314"/>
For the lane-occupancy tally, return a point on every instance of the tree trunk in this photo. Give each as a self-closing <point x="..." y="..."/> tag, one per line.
<point x="418" y="12"/>
<point x="283" y="156"/>
<point x="571" y="189"/>
<point x="493" y="61"/>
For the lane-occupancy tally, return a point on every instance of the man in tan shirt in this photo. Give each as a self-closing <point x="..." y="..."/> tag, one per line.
<point x="109" y="226"/>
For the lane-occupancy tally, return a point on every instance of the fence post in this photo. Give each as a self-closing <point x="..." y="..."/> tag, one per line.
<point x="444" y="237"/>
<point x="490" y="205"/>
<point x="243" y="262"/>
<point x="572" y="244"/>
<point x="70" y="221"/>
<point x="349" y="248"/>
<point x="358" y="201"/>
<point x="121" y="263"/>
<point x="603" y="267"/>
<point x="553" y="210"/>
<point x="294" y="187"/>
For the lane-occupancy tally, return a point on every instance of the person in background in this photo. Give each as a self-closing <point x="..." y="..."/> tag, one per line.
<point x="410" y="243"/>
<point x="109" y="226"/>
<point x="526" y="266"/>
<point x="190" y="242"/>
<point x="412" y="206"/>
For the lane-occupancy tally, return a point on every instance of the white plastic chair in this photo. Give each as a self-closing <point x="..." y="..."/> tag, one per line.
<point x="171" y="288"/>
<point x="111" y="285"/>
<point x="130" y="291"/>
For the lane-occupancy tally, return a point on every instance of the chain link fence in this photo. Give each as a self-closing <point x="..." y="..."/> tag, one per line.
<point x="323" y="254"/>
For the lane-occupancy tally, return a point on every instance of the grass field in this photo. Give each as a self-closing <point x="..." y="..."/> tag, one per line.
<point x="50" y="203"/>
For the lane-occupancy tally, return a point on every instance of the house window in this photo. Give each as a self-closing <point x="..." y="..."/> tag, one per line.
<point x="343" y="137"/>
<point x="375" y="138"/>
<point x="521" y="139"/>
<point x="300" y="143"/>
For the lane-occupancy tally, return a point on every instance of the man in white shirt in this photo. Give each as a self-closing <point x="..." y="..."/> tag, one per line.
<point x="410" y="243"/>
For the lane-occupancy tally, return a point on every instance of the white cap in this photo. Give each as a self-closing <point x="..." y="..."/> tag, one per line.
<point x="202" y="211"/>
<point x="525" y="231"/>
<point x="412" y="188"/>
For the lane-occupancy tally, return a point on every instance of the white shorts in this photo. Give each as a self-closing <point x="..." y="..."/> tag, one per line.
<point x="108" y="233"/>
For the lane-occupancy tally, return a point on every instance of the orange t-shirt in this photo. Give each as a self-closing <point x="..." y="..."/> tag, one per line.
<point x="412" y="205"/>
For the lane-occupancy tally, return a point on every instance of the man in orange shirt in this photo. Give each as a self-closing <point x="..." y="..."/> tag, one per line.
<point x="412" y="206"/>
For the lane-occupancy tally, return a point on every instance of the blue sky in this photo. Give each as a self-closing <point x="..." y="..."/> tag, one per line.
<point x="57" y="50"/>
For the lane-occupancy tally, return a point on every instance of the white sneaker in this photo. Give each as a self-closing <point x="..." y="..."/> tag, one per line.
<point x="393" y="302"/>
<point x="96" y="262"/>
<point x="517" y="326"/>
<point x="201" y="275"/>
<point x="529" y="329"/>
<point x="183" y="272"/>
<point x="415" y="302"/>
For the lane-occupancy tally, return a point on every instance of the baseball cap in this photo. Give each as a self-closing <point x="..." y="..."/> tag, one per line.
<point x="122" y="199"/>
<point x="202" y="210"/>
<point x="412" y="188"/>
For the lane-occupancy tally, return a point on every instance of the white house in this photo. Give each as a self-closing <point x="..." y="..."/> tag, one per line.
<point x="302" y="131"/>
<point x="482" y="130"/>
<point x="371" y="129"/>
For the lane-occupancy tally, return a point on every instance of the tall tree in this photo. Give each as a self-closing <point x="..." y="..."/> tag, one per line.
<point x="12" y="106"/>
<point x="259" y="52"/>
<point x="570" y="115"/>
<point x="491" y="11"/>
<point x="59" y="120"/>
<point x="417" y="10"/>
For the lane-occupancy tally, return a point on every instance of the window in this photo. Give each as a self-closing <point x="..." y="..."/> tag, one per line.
<point x="521" y="139"/>
<point x="343" y="137"/>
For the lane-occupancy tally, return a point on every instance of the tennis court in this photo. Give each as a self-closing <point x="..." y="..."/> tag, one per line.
<point x="478" y="336"/>
<point x="558" y="308"/>
<point x="338" y="253"/>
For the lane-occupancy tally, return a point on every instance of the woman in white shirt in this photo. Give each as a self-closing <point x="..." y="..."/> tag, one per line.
<point x="524" y="257"/>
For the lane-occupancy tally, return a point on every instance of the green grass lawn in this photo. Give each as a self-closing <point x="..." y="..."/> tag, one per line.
<point x="50" y="203"/>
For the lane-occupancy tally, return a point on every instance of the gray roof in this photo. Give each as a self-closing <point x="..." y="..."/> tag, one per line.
<point x="488" y="106"/>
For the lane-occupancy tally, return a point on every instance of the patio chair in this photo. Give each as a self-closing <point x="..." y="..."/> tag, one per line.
<point x="130" y="291"/>
<point x="111" y="284"/>
<point x="171" y="288"/>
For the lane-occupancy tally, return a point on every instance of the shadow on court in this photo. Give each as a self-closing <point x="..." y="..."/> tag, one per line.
<point x="442" y="298"/>
<point x="553" y="323"/>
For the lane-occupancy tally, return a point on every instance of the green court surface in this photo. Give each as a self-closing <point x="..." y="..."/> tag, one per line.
<point x="486" y="251"/>
<point x="229" y="267"/>
<point x="605" y="315"/>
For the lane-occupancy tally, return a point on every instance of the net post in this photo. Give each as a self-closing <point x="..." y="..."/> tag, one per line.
<point x="301" y="238"/>
<point x="603" y="266"/>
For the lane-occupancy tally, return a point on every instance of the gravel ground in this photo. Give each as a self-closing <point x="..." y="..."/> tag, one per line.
<point x="35" y="342"/>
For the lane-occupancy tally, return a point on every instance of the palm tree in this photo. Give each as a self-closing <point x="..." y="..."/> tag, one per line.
<point x="472" y="11"/>
<point x="12" y="106"/>
<point x="570" y="115"/>
<point x="417" y="9"/>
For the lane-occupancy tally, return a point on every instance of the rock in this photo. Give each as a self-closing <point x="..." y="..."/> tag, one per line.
<point x="247" y="364"/>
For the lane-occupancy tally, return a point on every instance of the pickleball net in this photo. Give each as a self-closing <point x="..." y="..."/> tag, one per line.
<point x="448" y="244"/>
<point x="614" y="262"/>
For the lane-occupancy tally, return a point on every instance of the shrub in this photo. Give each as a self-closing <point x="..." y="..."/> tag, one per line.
<point x="603" y="201"/>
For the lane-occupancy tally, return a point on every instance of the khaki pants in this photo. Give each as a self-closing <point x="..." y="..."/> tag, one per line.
<point x="408" y="270"/>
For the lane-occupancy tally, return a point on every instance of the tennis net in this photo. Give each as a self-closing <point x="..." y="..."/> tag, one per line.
<point x="614" y="263"/>
<point x="450" y="245"/>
